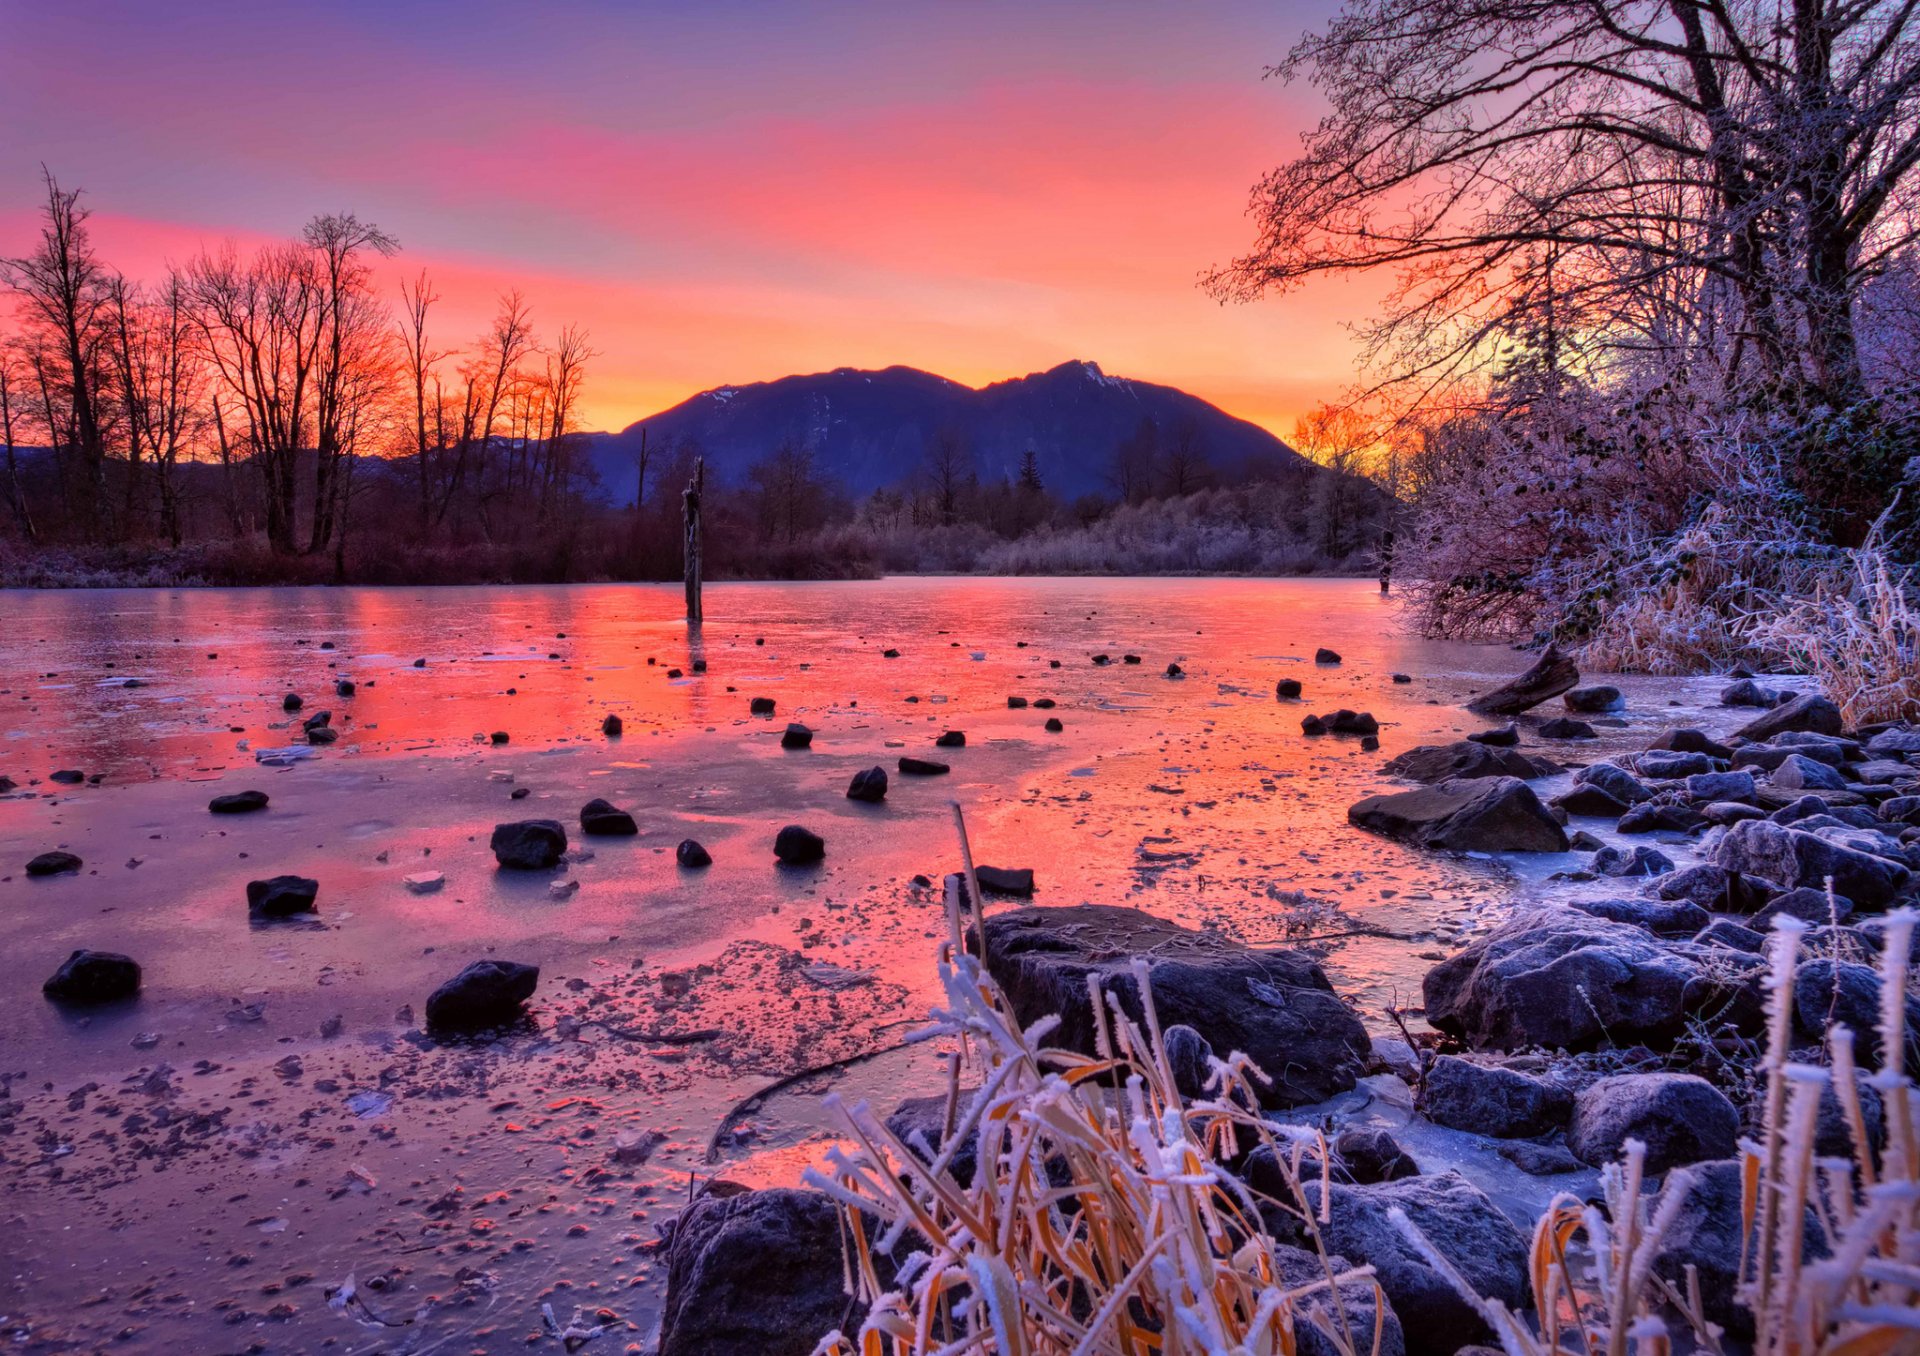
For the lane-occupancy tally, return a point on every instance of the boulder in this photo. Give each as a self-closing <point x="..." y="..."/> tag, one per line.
<point x="1325" y="656"/>
<point x="1706" y="1233"/>
<point x="1663" y="919"/>
<point x="87" y="977"/>
<point x="1809" y="711"/>
<point x="922" y="767"/>
<point x="1734" y="936"/>
<point x="1792" y="857"/>
<point x="1591" y="801"/>
<point x="1003" y="880"/>
<point x="1505" y="737"/>
<point x="1714" y="888"/>
<point x="1348" y="722"/>
<point x="1807" y="904"/>
<point x="1461" y="1223"/>
<point x="1746" y="692"/>
<point x="1552" y="674"/>
<point x="1690" y="741"/>
<point x="1826" y="993"/>
<point x="1615" y="780"/>
<point x="1466" y="759"/>
<point x="529" y="844"/>
<point x="1659" y="817"/>
<point x="1896" y="742"/>
<point x="486" y="994"/>
<point x="281" y="896"/>
<point x="796" y="736"/>
<point x="951" y="739"/>
<point x="798" y="846"/>
<point x="758" y="1273"/>
<point x="1720" y="786"/>
<point x="1766" y="757"/>
<point x="612" y="726"/>
<point x="238" y="803"/>
<point x="1313" y="725"/>
<point x="1485" y="1099"/>
<point x="1327" y="1321"/>
<point x="1589" y="701"/>
<point x="760" y="706"/>
<point x="1560" y="978"/>
<point x="692" y="854"/>
<point x="1638" y="861"/>
<point x="1797" y="772"/>
<point x="1369" y="1154"/>
<point x="1287" y="689"/>
<point x="1275" y="1006"/>
<point x="869" y="787"/>
<point x="1564" y="727"/>
<point x="1668" y="765"/>
<point x="1476" y="814"/>
<point x="1730" y="812"/>
<point x="600" y="819"/>
<point x="54" y="863"/>
<point x="1680" y="1118"/>
<point x="920" y="1122"/>
<point x="1053" y="725"/>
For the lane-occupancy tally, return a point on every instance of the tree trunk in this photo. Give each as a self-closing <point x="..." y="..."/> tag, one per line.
<point x="691" y="500"/>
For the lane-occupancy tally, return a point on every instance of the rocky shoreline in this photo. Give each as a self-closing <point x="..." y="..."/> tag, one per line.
<point x="1564" y="1034"/>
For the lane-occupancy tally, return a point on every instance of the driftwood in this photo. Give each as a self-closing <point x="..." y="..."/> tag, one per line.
<point x="1551" y="674"/>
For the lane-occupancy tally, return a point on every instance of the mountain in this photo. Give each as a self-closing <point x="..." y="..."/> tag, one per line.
<point x="871" y="429"/>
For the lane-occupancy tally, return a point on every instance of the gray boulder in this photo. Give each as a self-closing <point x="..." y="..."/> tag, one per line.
<point x="1797" y="772"/>
<point x="1898" y="742"/>
<point x="1828" y="993"/>
<point x="1664" y="765"/>
<point x="1275" y="1006"/>
<point x="1680" y="1118"/>
<point x="1792" y="857"/>
<point x="1810" y="712"/>
<point x="1707" y="1233"/>
<point x="1615" y="780"/>
<point x="1461" y="1223"/>
<point x="1714" y="888"/>
<point x="1589" y="701"/>
<point x="1323" y="1329"/>
<point x="1720" y="786"/>
<point x="1466" y="759"/>
<point x="1663" y="918"/>
<point x="1637" y="861"/>
<point x="758" y="1273"/>
<point x="281" y="896"/>
<point x="1559" y="978"/>
<point x="1478" y="814"/>
<point x="1487" y="1100"/>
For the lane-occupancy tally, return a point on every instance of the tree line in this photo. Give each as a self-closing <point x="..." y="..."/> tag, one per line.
<point x="279" y="397"/>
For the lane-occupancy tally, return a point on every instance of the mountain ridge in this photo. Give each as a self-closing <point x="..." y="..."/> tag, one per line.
<point x="869" y="428"/>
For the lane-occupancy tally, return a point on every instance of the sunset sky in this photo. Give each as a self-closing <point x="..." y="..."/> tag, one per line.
<point x="720" y="193"/>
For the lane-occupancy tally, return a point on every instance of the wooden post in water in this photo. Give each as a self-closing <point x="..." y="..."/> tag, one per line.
<point x="691" y="500"/>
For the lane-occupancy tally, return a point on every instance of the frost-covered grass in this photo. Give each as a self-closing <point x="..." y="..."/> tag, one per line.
<point x="1097" y="1223"/>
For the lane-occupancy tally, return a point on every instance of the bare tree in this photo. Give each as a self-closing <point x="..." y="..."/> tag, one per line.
<point x="948" y="468"/>
<point x="1629" y="161"/>
<point x="352" y="355"/>
<point x="161" y="385"/>
<point x="63" y="290"/>
<point x="1136" y="458"/>
<point x="10" y="386"/>
<point x="1184" y="467"/>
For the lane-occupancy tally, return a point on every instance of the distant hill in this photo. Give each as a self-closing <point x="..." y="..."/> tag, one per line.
<point x="871" y="429"/>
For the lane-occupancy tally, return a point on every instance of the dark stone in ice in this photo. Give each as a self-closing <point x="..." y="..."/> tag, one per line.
<point x="604" y="820"/>
<point x="1002" y="880"/>
<point x="922" y="767"/>
<point x="760" y="706"/>
<point x="1325" y="656"/>
<point x="952" y="739"/>
<point x="238" y="803"/>
<point x="797" y="736"/>
<point x="529" y="844"/>
<point x="279" y="896"/>
<point x="53" y="864"/>
<point x="487" y="993"/>
<point x="691" y="853"/>
<point x="93" y="977"/>
<point x="869" y="786"/>
<point x="797" y="846"/>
